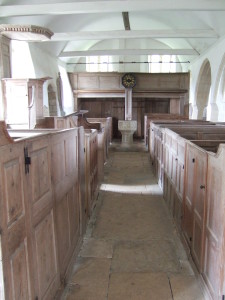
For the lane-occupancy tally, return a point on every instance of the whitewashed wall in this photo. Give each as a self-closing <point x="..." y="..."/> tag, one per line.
<point x="33" y="62"/>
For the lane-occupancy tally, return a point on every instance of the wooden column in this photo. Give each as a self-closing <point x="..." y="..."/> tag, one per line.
<point x="128" y="104"/>
<point x="174" y="106"/>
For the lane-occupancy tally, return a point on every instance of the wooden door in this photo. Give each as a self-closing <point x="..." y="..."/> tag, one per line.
<point x="195" y="202"/>
<point x="65" y="167"/>
<point x="214" y="261"/>
<point x="178" y="203"/>
<point x="17" y="254"/>
<point x="42" y="212"/>
<point x="189" y="194"/>
<point x="199" y="208"/>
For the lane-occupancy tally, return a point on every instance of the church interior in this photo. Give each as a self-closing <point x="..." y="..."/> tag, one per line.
<point x="112" y="150"/>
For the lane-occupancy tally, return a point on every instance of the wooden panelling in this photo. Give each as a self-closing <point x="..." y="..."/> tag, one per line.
<point x="14" y="190"/>
<point x="145" y="81"/>
<point x="45" y="243"/>
<point x="199" y="209"/>
<point x="92" y="151"/>
<point x="149" y="117"/>
<point x="20" y="273"/>
<point x="65" y="181"/>
<point x="91" y="168"/>
<point x="193" y="189"/>
<point x="40" y="213"/>
<point x="74" y="215"/>
<point x="115" y="108"/>
<point x="82" y="180"/>
<point x="194" y="201"/>
<point x="214" y="246"/>
<point x="15" y="242"/>
<point x="109" y="82"/>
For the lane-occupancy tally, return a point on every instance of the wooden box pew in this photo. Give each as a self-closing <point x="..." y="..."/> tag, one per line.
<point x="148" y="117"/>
<point x="173" y="124"/>
<point x="194" y="191"/>
<point x="172" y="161"/>
<point x="68" y="121"/>
<point x="40" y="211"/>
<point x="195" y="198"/>
<point x="168" y="158"/>
<point x="188" y="131"/>
<point x="172" y="170"/>
<point x="157" y="128"/>
<point x="209" y="145"/>
<point x="104" y="138"/>
<point x="91" y="168"/>
<point x="204" y="212"/>
<point x="206" y="132"/>
<point x="78" y="119"/>
<point x="106" y="126"/>
<point x="19" y="134"/>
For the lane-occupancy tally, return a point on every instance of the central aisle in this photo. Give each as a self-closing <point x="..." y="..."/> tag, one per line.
<point x="131" y="250"/>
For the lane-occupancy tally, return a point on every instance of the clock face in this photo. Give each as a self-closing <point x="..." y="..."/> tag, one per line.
<point x="128" y="80"/>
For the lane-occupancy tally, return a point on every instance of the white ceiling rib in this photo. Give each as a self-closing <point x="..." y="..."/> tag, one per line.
<point x="134" y="34"/>
<point x="129" y="52"/>
<point x="81" y="7"/>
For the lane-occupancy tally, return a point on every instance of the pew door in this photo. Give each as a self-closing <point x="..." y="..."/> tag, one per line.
<point x="189" y="194"/>
<point x="199" y="208"/>
<point x="214" y="262"/>
<point x="42" y="212"/>
<point x="194" y="202"/>
<point x="17" y="255"/>
<point x="64" y="164"/>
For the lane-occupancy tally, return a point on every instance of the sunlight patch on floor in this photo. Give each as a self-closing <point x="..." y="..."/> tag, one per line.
<point x="151" y="189"/>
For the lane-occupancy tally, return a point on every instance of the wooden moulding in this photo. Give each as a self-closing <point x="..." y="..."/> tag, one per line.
<point x="25" y="32"/>
<point x="5" y="138"/>
<point x="39" y="209"/>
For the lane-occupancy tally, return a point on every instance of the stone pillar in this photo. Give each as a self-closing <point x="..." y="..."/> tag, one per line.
<point x="128" y="104"/>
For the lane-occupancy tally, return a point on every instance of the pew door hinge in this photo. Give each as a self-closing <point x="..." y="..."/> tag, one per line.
<point x="27" y="160"/>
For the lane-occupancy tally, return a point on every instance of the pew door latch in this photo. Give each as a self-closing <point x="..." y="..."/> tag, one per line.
<point x="27" y="160"/>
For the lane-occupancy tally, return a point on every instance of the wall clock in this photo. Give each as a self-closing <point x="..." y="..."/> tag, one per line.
<point x="128" y="80"/>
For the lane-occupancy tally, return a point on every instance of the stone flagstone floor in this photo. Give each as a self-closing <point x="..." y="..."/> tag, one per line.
<point x="131" y="250"/>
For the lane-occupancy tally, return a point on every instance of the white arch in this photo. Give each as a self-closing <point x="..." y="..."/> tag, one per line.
<point x="203" y="88"/>
<point x="219" y="92"/>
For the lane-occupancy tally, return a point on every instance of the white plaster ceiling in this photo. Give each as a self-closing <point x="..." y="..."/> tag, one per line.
<point x="157" y="26"/>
